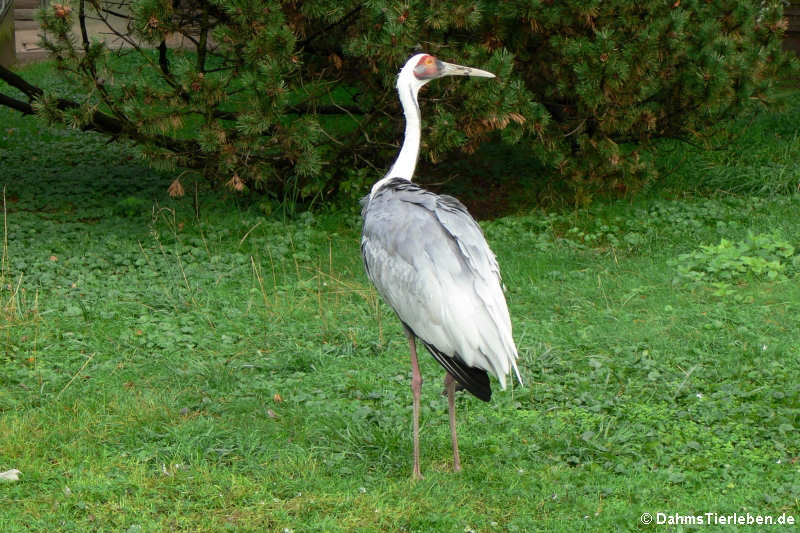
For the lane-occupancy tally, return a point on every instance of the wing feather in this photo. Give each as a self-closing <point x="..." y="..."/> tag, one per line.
<point x="430" y="261"/>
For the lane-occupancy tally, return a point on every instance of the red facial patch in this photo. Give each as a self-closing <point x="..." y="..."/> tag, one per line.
<point x="427" y="67"/>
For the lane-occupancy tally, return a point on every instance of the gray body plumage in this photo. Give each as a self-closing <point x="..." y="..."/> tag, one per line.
<point x="430" y="262"/>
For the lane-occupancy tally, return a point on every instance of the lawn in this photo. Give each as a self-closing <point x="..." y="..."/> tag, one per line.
<point x="206" y="364"/>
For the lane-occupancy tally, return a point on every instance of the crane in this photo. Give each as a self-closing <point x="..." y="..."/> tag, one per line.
<point x="430" y="262"/>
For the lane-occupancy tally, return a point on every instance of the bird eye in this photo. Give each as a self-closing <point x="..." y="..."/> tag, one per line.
<point x="425" y="62"/>
<point x="426" y="68"/>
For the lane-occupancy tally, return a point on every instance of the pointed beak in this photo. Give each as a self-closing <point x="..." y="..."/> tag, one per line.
<point x="457" y="70"/>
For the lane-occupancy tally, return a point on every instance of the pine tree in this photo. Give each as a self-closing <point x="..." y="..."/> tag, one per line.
<point x="298" y="97"/>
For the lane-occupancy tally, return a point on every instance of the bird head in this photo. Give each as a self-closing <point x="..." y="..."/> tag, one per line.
<point x="422" y="68"/>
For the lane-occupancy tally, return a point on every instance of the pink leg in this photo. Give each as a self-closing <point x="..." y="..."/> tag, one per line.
<point x="450" y="385"/>
<point x="416" y="388"/>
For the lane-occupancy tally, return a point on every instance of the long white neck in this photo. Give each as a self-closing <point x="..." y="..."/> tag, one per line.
<point x="407" y="159"/>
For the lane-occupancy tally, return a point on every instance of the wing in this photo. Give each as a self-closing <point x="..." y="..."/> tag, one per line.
<point x="429" y="260"/>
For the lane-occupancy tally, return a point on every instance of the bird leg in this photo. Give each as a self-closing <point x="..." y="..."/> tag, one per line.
<point x="450" y="385"/>
<point x="416" y="388"/>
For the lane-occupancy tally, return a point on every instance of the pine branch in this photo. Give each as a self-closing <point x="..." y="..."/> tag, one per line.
<point x="18" y="105"/>
<point x="216" y="12"/>
<point x="98" y="121"/>
<point x="202" y="46"/>
<point x="15" y="80"/>
<point x="115" y="13"/>
<point x="311" y="109"/>
<point x="305" y="42"/>
<point x="82" y="22"/>
<point x="162" y="57"/>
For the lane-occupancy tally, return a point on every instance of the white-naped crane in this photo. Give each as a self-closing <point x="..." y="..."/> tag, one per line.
<point x="429" y="260"/>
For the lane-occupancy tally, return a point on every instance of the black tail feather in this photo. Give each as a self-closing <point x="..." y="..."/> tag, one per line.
<point x="475" y="380"/>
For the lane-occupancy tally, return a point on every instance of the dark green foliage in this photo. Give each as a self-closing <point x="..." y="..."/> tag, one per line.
<point x="619" y="72"/>
<point x="298" y="97"/>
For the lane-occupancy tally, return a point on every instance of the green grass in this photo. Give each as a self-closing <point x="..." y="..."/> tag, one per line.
<point x="164" y="370"/>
